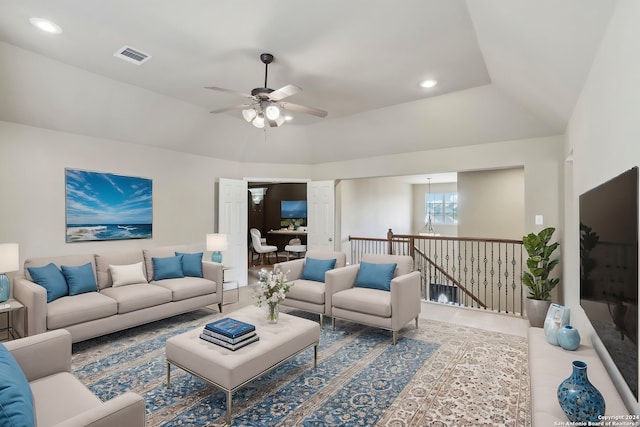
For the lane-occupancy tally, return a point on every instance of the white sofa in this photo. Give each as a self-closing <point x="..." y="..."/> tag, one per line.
<point x="58" y="397"/>
<point x="110" y="309"/>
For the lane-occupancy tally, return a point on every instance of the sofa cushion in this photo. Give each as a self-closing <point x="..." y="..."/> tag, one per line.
<point x="16" y="400"/>
<point x="138" y="296"/>
<point x="187" y="287"/>
<point x="160" y="252"/>
<point x="67" y="311"/>
<point x="167" y="268"/>
<point x="80" y="279"/>
<point x="314" y="269"/>
<point x="123" y="275"/>
<point x="404" y="263"/>
<point x="104" y="260"/>
<point x="375" y="276"/>
<point x="53" y="394"/>
<point x="191" y="264"/>
<point x="364" y="300"/>
<point x="307" y="290"/>
<point x="50" y="278"/>
<point x="58" y="261"/>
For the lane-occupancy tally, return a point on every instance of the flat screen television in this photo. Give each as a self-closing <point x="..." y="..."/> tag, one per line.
<point x="609" y="269"/>
<point x="293" y="209"/>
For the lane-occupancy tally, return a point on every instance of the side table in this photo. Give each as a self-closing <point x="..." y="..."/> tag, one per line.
<point x="229" y="285"/>
<point x="8" y="307"/>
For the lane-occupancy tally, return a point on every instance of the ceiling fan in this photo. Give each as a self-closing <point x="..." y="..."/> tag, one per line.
<point x="265" y="104"/>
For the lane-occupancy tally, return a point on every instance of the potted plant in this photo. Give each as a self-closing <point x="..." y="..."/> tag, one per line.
<point x="537" y="278"/>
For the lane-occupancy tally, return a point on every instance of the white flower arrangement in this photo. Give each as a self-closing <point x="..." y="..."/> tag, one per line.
<point x="273" y="287"/>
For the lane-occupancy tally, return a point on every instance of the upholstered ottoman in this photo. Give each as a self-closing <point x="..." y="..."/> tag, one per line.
<point x="230" y="370"/>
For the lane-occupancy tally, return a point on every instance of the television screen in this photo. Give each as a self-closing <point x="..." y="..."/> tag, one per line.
<point x="293" y="209"/>
<point x="609" y="269"/>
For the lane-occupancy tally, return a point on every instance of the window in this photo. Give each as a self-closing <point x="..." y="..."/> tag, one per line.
<point x="443" y="208"/>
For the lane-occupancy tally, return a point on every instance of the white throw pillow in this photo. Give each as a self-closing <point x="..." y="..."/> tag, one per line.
<point x="127" y="274"/>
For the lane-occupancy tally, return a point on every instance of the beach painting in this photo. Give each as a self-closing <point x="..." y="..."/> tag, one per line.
<point x="104" y="206"/>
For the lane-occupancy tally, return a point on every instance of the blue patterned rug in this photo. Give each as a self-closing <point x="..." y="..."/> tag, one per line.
<point x="360" y="380"/>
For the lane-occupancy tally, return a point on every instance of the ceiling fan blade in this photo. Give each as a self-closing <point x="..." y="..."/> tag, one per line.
<point x="235" y="107"/>
<point x="284" y="92"/>
<point x="220" y="89"/>
<point x="303" y="109"/>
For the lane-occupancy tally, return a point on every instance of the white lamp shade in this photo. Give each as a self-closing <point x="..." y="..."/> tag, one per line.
<point x="9" y="257"/>
<point x="258" y="121"/>
<point x="249" y="114"/>
<point x="272" y="112"/>
<point x="216" y="242"/>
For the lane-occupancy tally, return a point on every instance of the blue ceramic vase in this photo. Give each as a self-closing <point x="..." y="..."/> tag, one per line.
<point x="578" y="398"/>
<point x="568" y="337"/>
<point x="4" y="287"/>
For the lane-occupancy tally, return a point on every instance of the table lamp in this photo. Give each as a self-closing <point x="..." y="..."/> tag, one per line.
<point x="216" y="243"/>
<point x="9" y="261"/>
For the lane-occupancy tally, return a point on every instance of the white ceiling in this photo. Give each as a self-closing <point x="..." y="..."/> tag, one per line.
<point x="507" y="69"/>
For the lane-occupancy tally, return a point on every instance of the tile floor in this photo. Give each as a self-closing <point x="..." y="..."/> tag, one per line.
<point x="472" y="317"/>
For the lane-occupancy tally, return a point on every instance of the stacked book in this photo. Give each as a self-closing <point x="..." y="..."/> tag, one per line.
<point x="229" y="333"/>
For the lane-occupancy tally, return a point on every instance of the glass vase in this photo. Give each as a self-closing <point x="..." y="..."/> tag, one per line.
<point x="578" y="398"/>
<point x="272" y="314"/>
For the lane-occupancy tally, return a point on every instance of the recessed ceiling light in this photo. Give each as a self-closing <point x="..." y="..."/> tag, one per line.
<point x="428" y="83"/>
<point x="288" y="118"/>
<point x="45" y="25"/>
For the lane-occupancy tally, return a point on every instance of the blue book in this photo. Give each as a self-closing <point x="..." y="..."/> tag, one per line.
<point x="229" y="327"/>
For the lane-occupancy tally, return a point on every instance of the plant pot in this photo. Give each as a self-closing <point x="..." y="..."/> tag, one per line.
<point x="537" y="311"/>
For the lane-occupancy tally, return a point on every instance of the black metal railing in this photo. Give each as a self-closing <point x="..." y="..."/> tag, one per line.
<point x="481" y="273"/>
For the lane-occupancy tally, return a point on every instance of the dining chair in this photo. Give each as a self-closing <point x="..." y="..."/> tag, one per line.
<point x="261" y="249"/>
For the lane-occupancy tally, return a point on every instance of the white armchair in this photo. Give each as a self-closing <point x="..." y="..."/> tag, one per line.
<point x="357" y="301"/>
<point x="59" y="398"/>
<point x="310" y="295"/>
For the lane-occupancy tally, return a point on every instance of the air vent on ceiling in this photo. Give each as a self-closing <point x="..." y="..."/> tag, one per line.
<point x="134" y="56"/>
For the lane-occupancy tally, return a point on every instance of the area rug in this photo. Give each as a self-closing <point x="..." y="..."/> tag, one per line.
<point x="437" y="375"/>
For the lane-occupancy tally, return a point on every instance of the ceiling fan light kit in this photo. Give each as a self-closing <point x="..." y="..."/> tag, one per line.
<point x="266" y="103"/>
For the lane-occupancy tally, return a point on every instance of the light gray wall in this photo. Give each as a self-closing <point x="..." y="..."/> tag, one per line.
<point x="542" y="159"/>
<point x="491" y="204"/>
<point x="32" y="165"/>
<point x="369" y="207"/>
<point x="604" y="135"/>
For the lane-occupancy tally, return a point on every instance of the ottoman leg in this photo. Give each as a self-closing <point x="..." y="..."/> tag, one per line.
<point x="168" y="374"/>
<point x="228" y="407"/>
<point x="315" y="356"/>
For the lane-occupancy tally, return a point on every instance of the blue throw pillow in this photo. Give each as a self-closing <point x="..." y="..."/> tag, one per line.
<point x="191" y="264"/>
<point x="375" y="276"/>
<point x="50" y="278"/>
<point x="314" y="269"/>
<point x="16" y="400"/>
<point x="167" y="268"/>
<point x="80" y="279"/>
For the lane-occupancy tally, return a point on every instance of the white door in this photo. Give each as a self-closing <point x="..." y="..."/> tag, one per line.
<point x="232" y="221"/>
<point x="320" y="215"/>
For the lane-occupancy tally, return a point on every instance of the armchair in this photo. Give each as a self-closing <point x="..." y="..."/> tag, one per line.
<point x="310" y="295"/>
<point x="59" y="398"/>
<point x="358" y="298"/>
